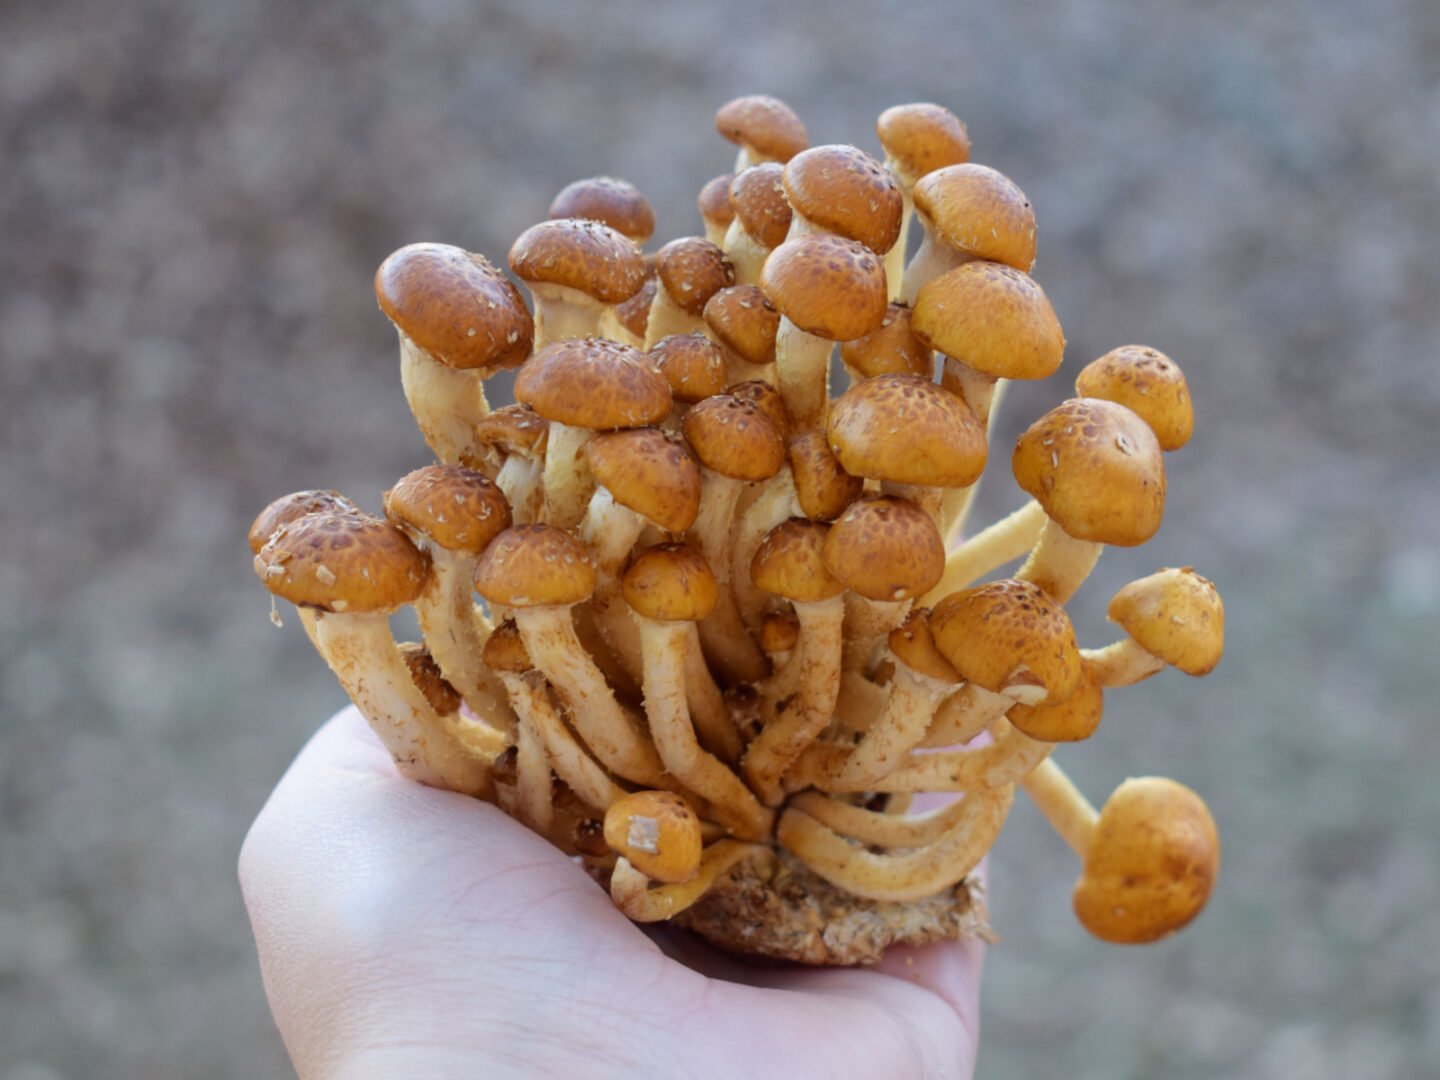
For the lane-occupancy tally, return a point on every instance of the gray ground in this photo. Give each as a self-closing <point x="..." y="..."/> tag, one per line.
<point x="193" y="197"/>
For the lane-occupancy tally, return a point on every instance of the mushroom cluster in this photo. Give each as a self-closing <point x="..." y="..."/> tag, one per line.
<point x="728" y="626"/>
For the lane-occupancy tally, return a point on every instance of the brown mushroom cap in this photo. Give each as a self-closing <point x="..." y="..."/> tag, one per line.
<point x="1175" y="615"/>
<point x="455" y="306"/>
<point x="692" y="270"/>
<point x="425" y="673"/>
<point x="593" y="383"/>
<point x="921" y="137"/>
<point x="779" y="632"/>
<point x="745" y="322"/>
<point x="650" y="472"/>
<point x="790" y="562"/>
<point x="843" y="190"/>
<point x="765" y="125"/>
<point x="583" y="255"/>
<point x="991" y="318"/>
<point x="1008" y="633"/>
<point x="891" y="349"/>
<point x="1148" y="383"/>
<point x="734" y="438"/>
<point x="505" y="650"/>
<point x="610" y="201"/>
<point x="693" y="364"/>
<point x="714" y="201"/>
<point x="979" y="212"/>
<point x="885" y="549"/>
<point x="757" y="195"/>
<point x="290" y="507"/>
<point x="515" y="429"/>
<point x="767" y="399"/>
<point x="1151" y="865"/>
<point x="670" y="583"/>
<point x="634" y="314"/>
<point x="907" y="430"/>
<point x="658" y="832"/>
<point x="1096" y="469"/>
<point x="914" y="646"/>
<point x="535" y="566"/>
<point x="1071" y="720"/>
<point x="450" y="505"/>
<point x="343" y="562"/>
<point x="827" y="286"/>
<point x="822" y="486"/>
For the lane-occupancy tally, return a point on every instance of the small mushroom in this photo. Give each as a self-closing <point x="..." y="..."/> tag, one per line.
<point x="842" y="191"/>
<point x="610" y="201"/>
<point x="1149" y="384"/>
<point x="574" y="270"/>
<point x="657" y="833"/>
<point x="762" y="218"/>
<point x="1174" y="617"/>
<point x="765" y="129"/>
<point x="715" y="209"/>
<point x="689" y="271"/>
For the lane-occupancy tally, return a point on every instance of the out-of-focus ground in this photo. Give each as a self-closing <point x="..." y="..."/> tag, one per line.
<point x="193" y="197"/>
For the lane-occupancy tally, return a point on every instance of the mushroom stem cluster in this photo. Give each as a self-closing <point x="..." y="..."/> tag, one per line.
<point x="720" y="637"/>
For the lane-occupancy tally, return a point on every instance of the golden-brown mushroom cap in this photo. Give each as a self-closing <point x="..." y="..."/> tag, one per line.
<point x="634" y="314"/>
<point x="649" y="471"/>
<point x="692" y="270"/>
<point x="991" y="318"/>
<point x="505" y="650"/>
<point x="714" y="201"/>
<point x="658" y="832"/>
<point x="450" y="505"/>
<point x="827" y="286"/>
<point x="892" y="349"/>
<point x="1008" y="633"/>
<point x="757" y="195"/>
<point x="288" y="508"/>
<point x="535" y="566"/>
<point x="593" y="383"/>
<point x="734" y="438"/>
<point x="822" y="486"/>
<point x="583" y="255"/>
<point x="514" y="429"/>
<point x="1096" y="469"/>
<point x="790" y="562"/>
<point x="670" y="583"/>
<point x="1148" y="383"/>
<point x="425" y="673"/>
<point x="920" y="138"/>
<point x="907" y="430"/>
<point x="767" y="399"/>
<point x="843" y="190"/>
<point x="914" y="646"/>
<point x="455" y="306"/>
<point x="343" y="562"/>
<point x="745" y="322"/>
<point x="1151" y="865"/>
<point x="1071" y="720"/>
<point x="610" y="201"/>
<point x="779" y="632"/>
<point x="885" y="549"/>
<point x="693" y="364"/>
<point x="979" y="212"/>
<point x="1175" y="615"/>
<point x="766" y="126"/>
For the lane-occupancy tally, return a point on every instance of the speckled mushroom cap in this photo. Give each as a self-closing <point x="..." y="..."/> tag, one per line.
<point x="920" y="138"/>
<point x="885" y="549"/>
<point x="515" y="429"/>
<point x="766" y="126"/>
<point x="649" y="471"/>
<point x="291" y="507"/>
<point x="1008" y="633"/>
<point x="634" y="314"/>
<point x="429" y="679"/>
<point x="843" y="190"/>
<point x="582" y="255"/>
<point x="1176" y="615"/>
<point x="914" y="646"/>
<point x="593" y="383"/>
<point x="1096" y="469"/>
<point x="1071" y="720"/>
<point x="343" y="562"/>
<point x="907" y="430"/>
<point x="505" y="650"/>
<point x="670" y="583"/>
<point x="610" y="201"/>
<point x="1147" y="382"/>
<point x="822" y="486"/>
<point x="790" y="562"/>
<point x="745" y="322"/>
<point x="767" y="399"/>
<point x="455" y="306"/>
<point x="692" y="363"/>
<point x="779" y="632"/>
<point x="891" y="349"/>
<point x="657" y="832"/>
<point x="734" y="438"/>
<point x="1151" y="865"/>
<point x="692" y="270"/>
<point x="454" y="507"/>
<point x="978" y="212"/>
<point x="827" y="286"/>
<point x="991" y="318"/>
<point x="714" y="201"/>
<point x="535" y="566"/>
<point x="757" y="195"/>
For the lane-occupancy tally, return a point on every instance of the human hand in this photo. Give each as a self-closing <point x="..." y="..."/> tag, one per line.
<point x="405" y="931"/>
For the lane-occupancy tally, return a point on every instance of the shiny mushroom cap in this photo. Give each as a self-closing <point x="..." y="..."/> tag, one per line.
<point x="790" y="562"/>
<point x="822" y="486"/>
<point x="1071" y="720"/>
<point x="1175" y="615"/>
<point x="885" y="549"/>
<point x="594" y="383"/>
<point x="764" y="125"/>
<point x="991" y="318"/>
<point x="658" y="833"/>
<point x="649" y="471"/>
<point x="610" y="201"/>
<point x="914" y="646"/>
<point x="734" y="438"/>
<point x="827" y="286"/>
<point x="693" y="364"/>
<point x="670" y="583"/>
<point x="757" y="195"/>
<point x="343" y="562"/>
<point x="692" y="270"/>
<point x="714" y="202"/>
<point x="978" y="212"/>
<point x="907" y="430"/>
<point x="451" y="506"/>
<point x="767" y="399"/>
<point x="535" y="566"/>
<point x="1009" y="634"/>
<point x="1148" y="383"/>
<point x="514" y="429"/>
<point x="741" y="319"/>
<point x="891" y="349"/>
<point x="843" y="190"/>
<point x="291" y="507"/>
<point x="582" y="255"/>
<point x="920" y="138"/>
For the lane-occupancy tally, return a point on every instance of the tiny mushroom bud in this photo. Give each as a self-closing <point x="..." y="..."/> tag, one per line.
<point x="715" y="209"/>
<point x="1173" y="617"/>
<point x="509" y="448"/>
<point x="610" y="201"/>
<point x="744" y="324"/>
<point x="657" y="832"/>
<point x="690" y="271"/>
<point x="694" y="365"/>
<point x="761" y="223"/>
<point x="765" y="129"/>
<point x="1147" y="382"/>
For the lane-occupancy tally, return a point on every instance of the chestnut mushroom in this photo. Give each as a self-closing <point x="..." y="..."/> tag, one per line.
<point x="574" y="270"/>
<point x="1174" y="617"/>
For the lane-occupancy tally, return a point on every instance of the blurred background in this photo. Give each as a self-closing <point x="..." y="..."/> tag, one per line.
<point x="193" y="199"/>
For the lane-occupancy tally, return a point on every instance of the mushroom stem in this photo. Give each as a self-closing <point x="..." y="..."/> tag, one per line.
<point x="932" y="258"/>
<point x="570" y="760"/>
<point x="632" y="894"/>
<point x="521" y="479"/>
<point x="866" y="622"/>
<point x="746" y="254"/>
<point x="562" y="313"/>
<point x="533" y="802"/>
<point x="802" y="365"/>
<point x="977" y="388"/>
<point x="567" y="476"/>
<point x="447" y="402"/>
<point x="1063" y="804"/>
<point x="965" y="714"/>
<point x="667" y="317"/>
<point x="895" y="257"/>
<point x="1060" y="563"/>
<point x="774" y="505"/>
<point x="1121" y="663"/>
<point x="707" y="704"/>
<point x="1004" y="761"/>
<point x="727" y="641"/>
<point x="988" y="550"/>
<point x="882" y="829"/>
<point x="955" y="504"/>
<point x="447" y="617"/>
<point x="609" y="530"/>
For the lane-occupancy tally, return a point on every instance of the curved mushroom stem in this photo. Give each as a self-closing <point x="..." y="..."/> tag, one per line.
<point x="1063" y="805"/>
<point x="917" y="873"/>
<point x="866" y="622"/>
<point x="562" y="313"/>
<point x="890" y="828"/>
<point x="988" y="550"/>
<point x="570" y="760"/>
<point x="521" y="479"/>
<point x="932" y="258"/>
<point x="667" y="317"/>
<point x="965" y="714"/>
<point x="447" y="619"/>
<point x="568" y="481"/>
<point x="609" y="530"/>
<point x="802" y="363"/>
<point x="746" y="254"/>
<point x="1121" y="663"/>
<point x="632" y="894"/>
<point x="727" y="642"/>
<point x="533" y="804"/>
<point x="447" y="402"/>
<point x="1060" y="563"/>
<point x="895" y="257"/>
<point x="994" y="765"/>
<point x="712" y="718"/>
<point x="955" y="504"/>
<point x="775" y="503"/>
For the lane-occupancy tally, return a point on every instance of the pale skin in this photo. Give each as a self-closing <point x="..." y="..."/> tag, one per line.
<point x="405" y="931"/>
